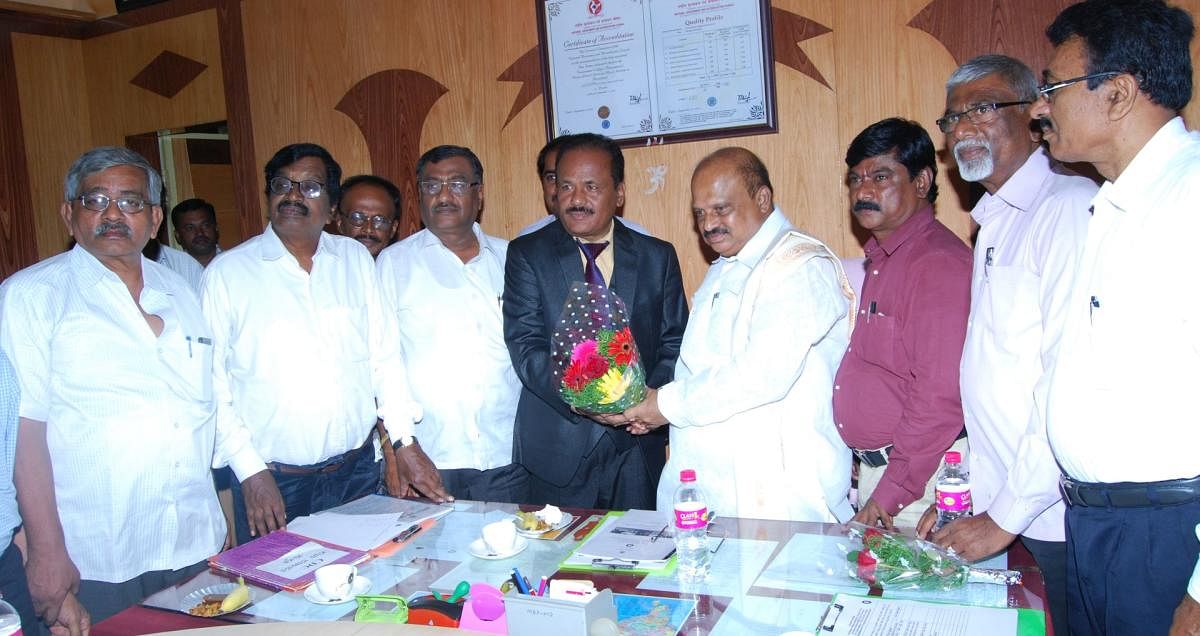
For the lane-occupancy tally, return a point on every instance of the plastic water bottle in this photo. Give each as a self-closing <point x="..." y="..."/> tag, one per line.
<point x="953" y="490"/>
<point x="691" y="529"/>
<point x="10" y="620"/>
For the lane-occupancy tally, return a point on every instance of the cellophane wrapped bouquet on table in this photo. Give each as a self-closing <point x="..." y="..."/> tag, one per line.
<point x="595" y="360"/>
<point x="891" y="560"/>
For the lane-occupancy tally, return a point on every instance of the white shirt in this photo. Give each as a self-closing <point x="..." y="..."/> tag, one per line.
<point x="129" y="416"/>
<point x="1121" y="403"/>
<point x="452" y="334"/>
<point x="301" y="357"/>
<point x="183" y="264"/>
<point x="1031" y="235"/>
<point x="751" y="406"/>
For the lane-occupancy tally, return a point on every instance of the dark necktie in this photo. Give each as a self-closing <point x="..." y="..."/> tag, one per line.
<point x="591" y="272"/>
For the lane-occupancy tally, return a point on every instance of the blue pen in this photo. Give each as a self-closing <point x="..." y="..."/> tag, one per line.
<point x="522" y="586"/>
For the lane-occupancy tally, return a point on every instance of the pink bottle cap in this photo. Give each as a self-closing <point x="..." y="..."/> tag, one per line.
<point x="953" y="457"/>
<point x="687" y="474"/>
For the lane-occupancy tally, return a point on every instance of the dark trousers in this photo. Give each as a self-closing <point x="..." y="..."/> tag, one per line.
<point x="103" y="600"/>
<point x="608" y="477"/>
<point x="15" y="588"/>
<point x="315" y="491"/>
<point x="504" y="484"/>
<point x="1128" y="568"/>
<point x="1051" y="557"/>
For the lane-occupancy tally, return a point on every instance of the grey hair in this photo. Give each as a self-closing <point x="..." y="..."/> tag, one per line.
<point x="103" y="158"/>
<point x="1014" y="72"/>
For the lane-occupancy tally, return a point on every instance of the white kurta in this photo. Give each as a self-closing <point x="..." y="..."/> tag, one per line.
<point x="751" y="405"/>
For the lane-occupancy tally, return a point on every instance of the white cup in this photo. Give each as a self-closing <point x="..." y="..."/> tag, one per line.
<point x="500" y="536"/>
<point x="335" y="581"/>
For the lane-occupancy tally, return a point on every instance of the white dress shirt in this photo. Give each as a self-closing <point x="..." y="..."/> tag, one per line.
<point x="183" y="264"/>
<point x="129" y="416"/>
<point x="452" y="335"/>
<point x="1121" y="405"/>
<point x="300" y="357"/>
<point x="1031" y="234"/>
<point x="751" y="405"/>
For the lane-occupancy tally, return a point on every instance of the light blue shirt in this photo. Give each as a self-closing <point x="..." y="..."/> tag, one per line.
<point x="10" y="396"/>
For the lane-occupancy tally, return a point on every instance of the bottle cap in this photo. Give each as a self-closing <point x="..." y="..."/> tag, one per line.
<point x="687" y="474"/>
<point x="953" y="457"/>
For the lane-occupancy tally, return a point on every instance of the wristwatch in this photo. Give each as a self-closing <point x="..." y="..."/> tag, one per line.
<point x="404" y="442"/>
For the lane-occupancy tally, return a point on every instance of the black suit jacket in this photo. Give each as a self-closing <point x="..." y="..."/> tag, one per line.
<point x="549" y="439"/>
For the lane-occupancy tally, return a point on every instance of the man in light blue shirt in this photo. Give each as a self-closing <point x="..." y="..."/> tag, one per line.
<point x="13" y="585"/>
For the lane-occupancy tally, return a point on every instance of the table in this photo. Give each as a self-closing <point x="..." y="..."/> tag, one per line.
<point x="764" y="584"/>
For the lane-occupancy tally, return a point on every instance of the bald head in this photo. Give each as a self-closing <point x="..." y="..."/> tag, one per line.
<point x="731" y="198"/>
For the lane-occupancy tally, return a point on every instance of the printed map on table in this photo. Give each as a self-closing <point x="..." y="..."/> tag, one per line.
<point x="651" y="615"/>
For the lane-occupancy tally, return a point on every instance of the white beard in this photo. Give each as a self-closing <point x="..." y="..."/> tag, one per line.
<point x="975" y="169"/>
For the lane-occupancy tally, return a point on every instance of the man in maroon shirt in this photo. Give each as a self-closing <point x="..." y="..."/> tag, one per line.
<point x="895" y="398"/>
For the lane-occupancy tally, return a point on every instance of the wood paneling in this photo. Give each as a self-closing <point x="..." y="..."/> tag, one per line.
<point x="214" y="183"/>
<point x="238" y="119"/>
<point x="17" y="231"/>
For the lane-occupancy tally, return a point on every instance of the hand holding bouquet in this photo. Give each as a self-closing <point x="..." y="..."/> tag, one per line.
<point x="596" y="361"/>
<point x="893" y="561"/>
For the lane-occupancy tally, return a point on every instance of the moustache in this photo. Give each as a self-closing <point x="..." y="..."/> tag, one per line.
<point x="577" y="209"/>
<point x="1045" y="124"/>
<point x="113" y="226"/>
<point x="971" y="143"/>
<point x="859" y="206"/>
<point x="299" y="207"/>
<point x="716" y="231"/>
<point x="366" y="237"/>
<point x="446" y="207"/>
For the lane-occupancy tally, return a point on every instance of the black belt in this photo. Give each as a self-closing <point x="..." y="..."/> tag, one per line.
<point x="879" y="458"/>
<point x="1131" y="494"/>
<point x="333" y="464"/>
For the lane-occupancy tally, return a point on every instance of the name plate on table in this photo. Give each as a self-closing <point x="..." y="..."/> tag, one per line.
<point x="539" y="615"/>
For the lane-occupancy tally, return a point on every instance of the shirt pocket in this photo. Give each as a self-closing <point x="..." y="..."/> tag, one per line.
<point x="347" y="332"/>
<point x="1010" y="298"/>
<point x="880" y="344"/>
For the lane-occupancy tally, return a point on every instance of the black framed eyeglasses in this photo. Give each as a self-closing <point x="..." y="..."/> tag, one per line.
<point x="431" y="187"/>
<point x="1045" y="90"/>
<point x="358" y="219"/>
<point x="977" y="114"/>
<point x="308" y="188"/>
<point x="99" y="202"/>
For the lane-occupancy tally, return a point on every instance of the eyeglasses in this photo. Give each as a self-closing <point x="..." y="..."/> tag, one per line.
<point x="99" y="202"/>
<point x="431" y="187"/>
<point x="977" y="114"/>
<point x="1045" y="89"/>
<point x="358" y="219"/>
<point x="309" y="188"/>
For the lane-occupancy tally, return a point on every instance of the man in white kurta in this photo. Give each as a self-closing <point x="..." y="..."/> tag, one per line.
<point x="750" y="407"/>
<point x="114" y="361"/>
<point x="444" y="286"/>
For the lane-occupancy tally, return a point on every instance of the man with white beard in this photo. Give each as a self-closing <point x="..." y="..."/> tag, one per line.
<point x="1033" y="222"/>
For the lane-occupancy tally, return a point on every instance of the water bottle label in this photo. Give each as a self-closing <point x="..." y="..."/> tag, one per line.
<point x="953" y="501"/>
<point x="691" y="519"/>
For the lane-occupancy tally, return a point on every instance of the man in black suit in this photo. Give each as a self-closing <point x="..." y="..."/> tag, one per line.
<point x="578" y="459"/>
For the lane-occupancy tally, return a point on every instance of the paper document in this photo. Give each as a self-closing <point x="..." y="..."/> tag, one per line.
<point x="639" y="536"/>
<point x="301" y="560"/>
<point x="880" y="616"/>
<point x="367" y="523"/>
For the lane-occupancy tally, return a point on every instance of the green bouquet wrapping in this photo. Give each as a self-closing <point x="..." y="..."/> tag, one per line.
<point x="596" y="362"/>
<point x="891" y="560"/>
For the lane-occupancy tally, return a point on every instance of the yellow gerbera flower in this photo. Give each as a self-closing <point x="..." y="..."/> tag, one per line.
<point x="613" y="385"/>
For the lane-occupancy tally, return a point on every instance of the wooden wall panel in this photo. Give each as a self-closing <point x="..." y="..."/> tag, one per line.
<point x="214" y="183"/>
<point x="55" y="116"/>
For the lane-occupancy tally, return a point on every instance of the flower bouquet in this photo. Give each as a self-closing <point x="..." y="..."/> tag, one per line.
<point x="596" y="362"/>
<point x="893" y="561"/>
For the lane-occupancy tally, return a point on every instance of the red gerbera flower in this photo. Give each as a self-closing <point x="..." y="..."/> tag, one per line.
<point x="621" y="347"/>
<point x="594" y="366"/>
<point x="574" y="378"/>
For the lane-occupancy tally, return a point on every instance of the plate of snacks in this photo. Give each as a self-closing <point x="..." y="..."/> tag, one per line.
<point x="218" y="600"/>
<point x="538" y="522"/>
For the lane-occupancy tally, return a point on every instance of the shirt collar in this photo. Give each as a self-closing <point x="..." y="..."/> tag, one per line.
<point x="1128" y="191"/>
<point x="907" y="230"/>
<point x="608" y="236"/>
<point x="272" y="248"/>
<point x="91" y="271"/>
<point x="1019" y="192"/>
<point x="756" y="248"/>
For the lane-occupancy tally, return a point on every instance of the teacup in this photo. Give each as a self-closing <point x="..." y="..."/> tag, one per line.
<point x="335" y="581"/>
<point x="500" y="536"/>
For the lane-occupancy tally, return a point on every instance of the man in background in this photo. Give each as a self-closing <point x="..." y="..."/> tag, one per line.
<point x="195" y="223"/>
<point x="369" y="211"/>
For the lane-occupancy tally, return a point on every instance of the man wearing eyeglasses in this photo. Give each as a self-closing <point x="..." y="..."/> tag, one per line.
<point x="369" y="211"/>
<point x="1120" y="406"/>
<point x="1033" y="221"/>
<point x="305" y="358"/>
<point x="895" y="397"/>
<point x="113" y="361"/>
<point x="444" y="284"/>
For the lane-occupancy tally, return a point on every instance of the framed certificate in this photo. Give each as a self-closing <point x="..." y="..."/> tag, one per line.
<point x="657" y="71"/>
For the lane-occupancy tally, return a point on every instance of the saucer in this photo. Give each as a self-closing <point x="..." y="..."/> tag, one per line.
<point x="362" y="585"/>
<point x="195" y="598"/>
<point x="566" y="520"/>
<point x="480" y="550"/>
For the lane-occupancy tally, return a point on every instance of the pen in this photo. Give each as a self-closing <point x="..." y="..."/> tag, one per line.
<point x="987" y="260"/>
<point x="407" y="534"/>
<point x="522" y="585"/>
<point x="189" y="340"/>
<point x="542" y="587"/>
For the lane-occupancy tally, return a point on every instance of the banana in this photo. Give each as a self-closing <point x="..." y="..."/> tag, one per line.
<point x="237" y="597"/>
